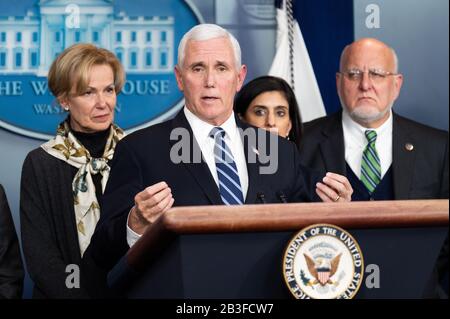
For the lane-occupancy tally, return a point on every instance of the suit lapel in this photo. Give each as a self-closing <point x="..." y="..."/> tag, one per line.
<point x="199" y="171"/>
<point x="403" y="161"/>
<point x="332" y="147"/>
<point x="252" y="166"/>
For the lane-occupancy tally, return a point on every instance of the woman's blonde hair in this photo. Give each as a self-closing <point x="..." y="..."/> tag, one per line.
<point x="70" y="70"/>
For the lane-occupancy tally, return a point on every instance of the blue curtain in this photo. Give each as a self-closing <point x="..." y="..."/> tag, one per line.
<point x="327" y="26"/>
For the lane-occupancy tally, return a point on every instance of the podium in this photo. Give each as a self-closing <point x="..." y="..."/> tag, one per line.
<point x="237" y="251"/>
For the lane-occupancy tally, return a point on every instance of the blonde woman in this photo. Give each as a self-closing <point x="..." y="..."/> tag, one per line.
<point x="64" y="178"/>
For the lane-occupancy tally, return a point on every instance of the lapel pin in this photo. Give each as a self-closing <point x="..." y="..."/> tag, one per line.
<point x="409" y="147"/>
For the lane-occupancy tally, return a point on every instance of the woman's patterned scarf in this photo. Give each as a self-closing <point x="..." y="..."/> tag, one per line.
<point x="66" y="147"/>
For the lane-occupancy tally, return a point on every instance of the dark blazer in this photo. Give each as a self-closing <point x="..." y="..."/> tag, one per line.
<point x="421" y="173"/>
<point x="48" y="228"/>
<point x="143" y="159"/>
<point x="11" y="267"/>
<point x="418" y="174"/>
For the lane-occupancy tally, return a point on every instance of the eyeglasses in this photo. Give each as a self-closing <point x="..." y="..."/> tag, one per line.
<point x="377" y="76"/>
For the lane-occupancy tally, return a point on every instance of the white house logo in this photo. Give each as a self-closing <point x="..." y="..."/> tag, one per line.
<point x="144" y="38"/>
<point x="323" y="262"/>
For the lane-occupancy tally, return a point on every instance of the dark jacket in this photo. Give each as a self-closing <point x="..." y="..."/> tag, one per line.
<point x="49" y="234"/>
<point x="418" y="173"/>
<point x="11" y="267"/>
<point x="421" y="173"/>
<point x="143" y="159"/>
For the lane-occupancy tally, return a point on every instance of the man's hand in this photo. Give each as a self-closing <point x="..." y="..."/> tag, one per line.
<point x="334" y="188"/>
<point x="149" y="205"/>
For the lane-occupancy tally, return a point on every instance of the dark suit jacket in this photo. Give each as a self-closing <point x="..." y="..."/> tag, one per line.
<point x="418" y="174"/>
<point x="11" y="267"/>
<point x="143" y="158"/>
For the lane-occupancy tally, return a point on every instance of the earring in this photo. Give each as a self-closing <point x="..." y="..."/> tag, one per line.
<point x="66" y="108"/>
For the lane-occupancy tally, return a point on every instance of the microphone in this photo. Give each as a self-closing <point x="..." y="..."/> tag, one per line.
<point x="261" y="197"/>
<point x="282" y="197"/>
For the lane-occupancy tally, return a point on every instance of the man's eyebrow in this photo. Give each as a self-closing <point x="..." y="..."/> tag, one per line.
<point x="194" y="64"/>
<point x="222" y="63"/>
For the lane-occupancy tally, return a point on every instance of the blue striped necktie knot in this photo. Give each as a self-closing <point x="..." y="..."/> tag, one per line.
<point x="229" y="183"/>
<point x="370" y="165"/>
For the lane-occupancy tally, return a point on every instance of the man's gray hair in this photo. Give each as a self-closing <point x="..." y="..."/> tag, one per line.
<point x="395" y="60"/>
<point x="203" y="32"/>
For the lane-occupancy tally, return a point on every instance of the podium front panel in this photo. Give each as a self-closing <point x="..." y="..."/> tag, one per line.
<point x="249" y="265"/>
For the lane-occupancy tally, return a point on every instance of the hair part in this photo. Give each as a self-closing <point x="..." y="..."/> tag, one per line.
<point x="203" y="32"/>
<point x="69" y="72"/>
<point x="268" y="84"/>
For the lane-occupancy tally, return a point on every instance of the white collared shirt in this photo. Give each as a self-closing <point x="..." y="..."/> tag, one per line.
<point x="355" y="142"/>
<point x="233" y="139"/>
<point x="201" y="132"/>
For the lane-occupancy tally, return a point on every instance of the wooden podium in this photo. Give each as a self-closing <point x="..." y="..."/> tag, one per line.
<point x="237" y="251"/>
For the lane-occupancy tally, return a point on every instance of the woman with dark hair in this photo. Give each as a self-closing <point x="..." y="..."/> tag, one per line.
<point x="268" y="102"/>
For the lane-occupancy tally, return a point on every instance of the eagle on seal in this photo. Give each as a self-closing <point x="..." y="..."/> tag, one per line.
<point x="322" y="269"/>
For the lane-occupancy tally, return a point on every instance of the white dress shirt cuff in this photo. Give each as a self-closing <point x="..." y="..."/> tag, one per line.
<point x="132" y="237"/>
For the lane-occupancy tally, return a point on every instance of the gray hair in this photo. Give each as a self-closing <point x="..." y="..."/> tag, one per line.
<point x="396" y="66"/>
<point x="203" y="32"/>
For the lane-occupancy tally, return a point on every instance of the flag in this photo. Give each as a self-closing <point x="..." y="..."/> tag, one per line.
<point x="292" y="63"/>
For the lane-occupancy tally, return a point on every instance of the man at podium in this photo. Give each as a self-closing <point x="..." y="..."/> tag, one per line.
<point x="228" y="163"/>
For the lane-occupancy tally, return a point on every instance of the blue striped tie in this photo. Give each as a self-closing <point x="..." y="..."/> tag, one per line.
<point x="370" y="165"/>
<point x="229" y="183"/>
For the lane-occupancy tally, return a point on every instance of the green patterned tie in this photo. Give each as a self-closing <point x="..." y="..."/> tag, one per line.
<point x="370" y="165"/>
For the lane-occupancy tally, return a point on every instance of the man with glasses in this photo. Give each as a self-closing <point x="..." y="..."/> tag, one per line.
<point x="384" y="155"/>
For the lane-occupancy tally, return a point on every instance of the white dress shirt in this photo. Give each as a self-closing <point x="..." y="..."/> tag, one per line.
<point x="201" y="132"/>
<point x="355" y="142"/>
<point x="233" y="139"/>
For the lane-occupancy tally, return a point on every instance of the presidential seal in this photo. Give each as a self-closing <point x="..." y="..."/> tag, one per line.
<point x="323" y="262"/>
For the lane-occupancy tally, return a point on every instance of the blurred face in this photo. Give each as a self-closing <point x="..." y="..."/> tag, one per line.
<point x="270" y="110"/>
<point x="209" y="79"/>
<point x="368" y="97"/>
<point x="93" y="110"/>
